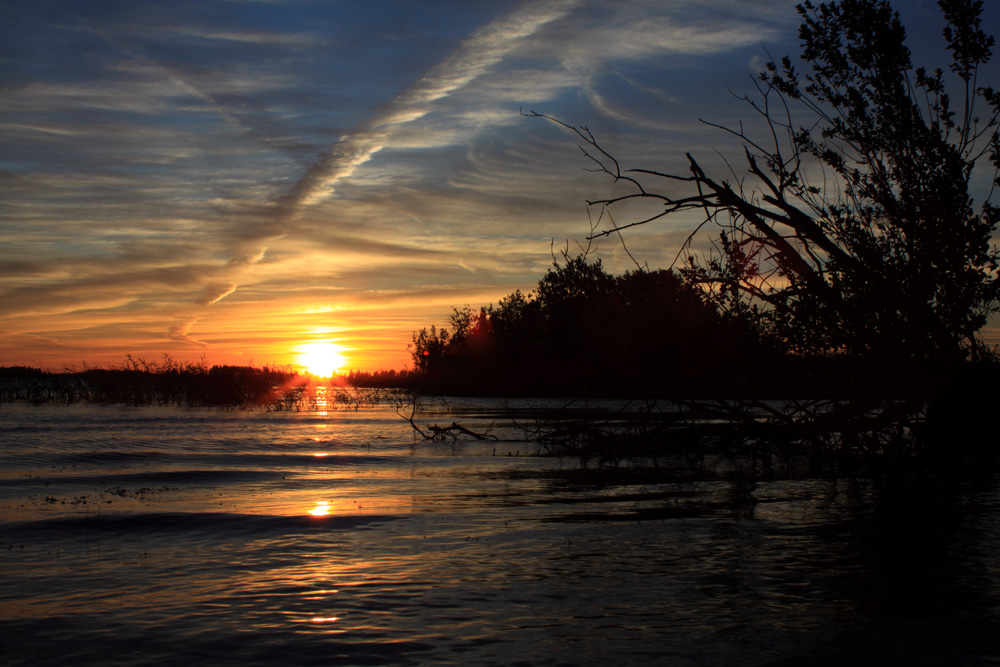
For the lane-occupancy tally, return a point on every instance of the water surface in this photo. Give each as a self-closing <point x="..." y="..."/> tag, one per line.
<point x="171" y="536"/>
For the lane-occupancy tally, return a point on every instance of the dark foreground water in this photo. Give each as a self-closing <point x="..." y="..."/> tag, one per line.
<point x="161" y="536"/>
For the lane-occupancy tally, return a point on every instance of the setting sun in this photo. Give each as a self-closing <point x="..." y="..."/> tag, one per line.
<point x="321" y="358"/>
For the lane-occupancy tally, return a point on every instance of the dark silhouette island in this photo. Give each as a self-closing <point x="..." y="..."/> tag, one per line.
<point x="584" y="332"/>
<point x="851" y="258"/>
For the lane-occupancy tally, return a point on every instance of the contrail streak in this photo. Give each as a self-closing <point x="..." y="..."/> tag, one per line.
<point x="485" y="48"/>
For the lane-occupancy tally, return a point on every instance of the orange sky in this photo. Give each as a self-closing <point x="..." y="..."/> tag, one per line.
<point x="181" y="181"/>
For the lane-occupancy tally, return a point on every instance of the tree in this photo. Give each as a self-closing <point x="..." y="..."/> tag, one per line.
<point x="584" y="331"/>
<point x="428" y="347"/>
<point x="854" y="229"/>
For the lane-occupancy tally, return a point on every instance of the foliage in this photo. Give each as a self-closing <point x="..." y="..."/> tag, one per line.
<point x="168" y="382"/>
<point x="428" y="348"/>
<point x="584" y="331"/>
<point x="854" y="228"/>
<point x="380" y="379"/>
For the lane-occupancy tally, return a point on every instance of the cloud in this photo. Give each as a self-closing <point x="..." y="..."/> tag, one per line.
<point x="70" y="286"/>
<point x="622" y="113"/>
<point x="645" y="29"/>
<point x="485" y="48"/>
<point x="173" y="164"/>
<point x="179" y="332"/>
<point x="254" y="37"/>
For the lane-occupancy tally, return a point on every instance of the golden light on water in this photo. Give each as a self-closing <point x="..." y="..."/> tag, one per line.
<point x="321" y="358"/>
<point x="322" y="509"/>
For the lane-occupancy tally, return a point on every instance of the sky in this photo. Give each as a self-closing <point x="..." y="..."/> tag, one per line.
<point x="234" y="180"/>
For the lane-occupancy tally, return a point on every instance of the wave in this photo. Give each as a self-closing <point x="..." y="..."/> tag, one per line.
<point x="216" y="523"/>
<point x="156" y="478"/>
<point x="161" y="468"/>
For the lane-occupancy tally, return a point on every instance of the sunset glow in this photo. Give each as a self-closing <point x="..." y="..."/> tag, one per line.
<point x="207" y="187"/>
<point x="322" y="509"/>
<point x="322" y="359"/>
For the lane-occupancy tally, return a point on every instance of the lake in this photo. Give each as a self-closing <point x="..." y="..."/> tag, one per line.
<point x="162" y="535"/>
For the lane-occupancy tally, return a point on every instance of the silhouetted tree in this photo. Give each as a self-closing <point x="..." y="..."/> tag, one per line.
<point x="853" y="229"/>
<point x="584" y="331"/>
<point x="428" y="348"/>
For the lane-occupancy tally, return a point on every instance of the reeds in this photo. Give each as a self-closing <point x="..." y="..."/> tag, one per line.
<point x="138" y="383"/>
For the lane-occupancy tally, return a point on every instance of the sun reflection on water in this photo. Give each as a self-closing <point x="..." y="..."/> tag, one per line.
<point x="322" y="508"/>
<point x="322" y="401"/>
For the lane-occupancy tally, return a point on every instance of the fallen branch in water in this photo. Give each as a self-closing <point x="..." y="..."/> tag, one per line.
<point x="441" y="432"/>
<point x="437" y="433"/>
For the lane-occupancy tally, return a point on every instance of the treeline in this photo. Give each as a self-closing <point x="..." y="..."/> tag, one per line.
<point x="382" y="379"/>
<point x="166" y="382"/>
<point x="137" y="381"/>
<point x="585" y="332"/>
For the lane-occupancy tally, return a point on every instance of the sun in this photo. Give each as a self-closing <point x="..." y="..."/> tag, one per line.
<point x="321" y="358"/>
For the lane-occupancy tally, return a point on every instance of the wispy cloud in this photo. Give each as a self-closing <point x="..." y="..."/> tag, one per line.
<point x="485" y="48"/>
<point x="219" y="174"/>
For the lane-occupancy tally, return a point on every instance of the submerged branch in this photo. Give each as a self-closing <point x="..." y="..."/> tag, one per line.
<point x="436" y="433"/>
